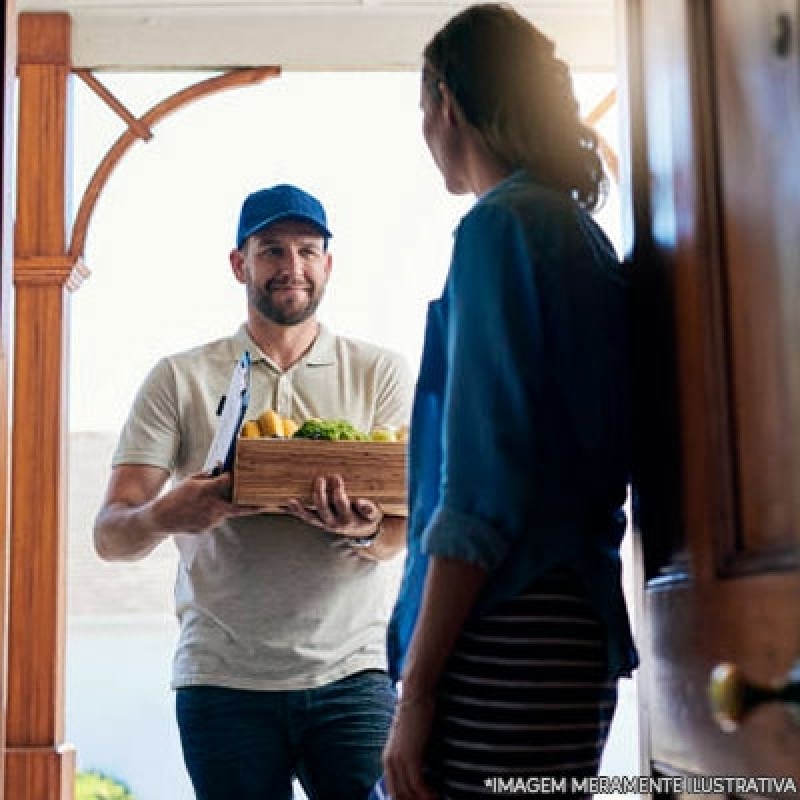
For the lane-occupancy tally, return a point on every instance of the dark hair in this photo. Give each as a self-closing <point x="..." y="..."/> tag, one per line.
<point x="518" y="95"/>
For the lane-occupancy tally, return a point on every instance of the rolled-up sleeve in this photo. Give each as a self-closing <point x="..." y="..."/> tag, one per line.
<point x="493" y="350"/>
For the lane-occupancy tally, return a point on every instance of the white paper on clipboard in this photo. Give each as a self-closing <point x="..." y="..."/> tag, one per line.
<point x="231" y="412"/>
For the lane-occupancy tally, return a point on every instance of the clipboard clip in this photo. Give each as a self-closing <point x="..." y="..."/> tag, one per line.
<point x="230" y="410"/>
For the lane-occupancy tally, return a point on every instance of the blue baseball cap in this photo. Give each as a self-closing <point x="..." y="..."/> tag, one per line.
<point x="267" y="206"/>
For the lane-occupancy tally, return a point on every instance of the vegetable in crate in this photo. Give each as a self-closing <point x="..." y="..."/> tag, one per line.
<point x="271" y="423"/>
<point x="250" y="430"/>
<point x="332" y="429"/>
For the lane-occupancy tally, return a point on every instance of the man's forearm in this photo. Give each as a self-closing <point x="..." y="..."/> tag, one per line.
<point x="391" y="541"/>
<point x="126" y="533"/>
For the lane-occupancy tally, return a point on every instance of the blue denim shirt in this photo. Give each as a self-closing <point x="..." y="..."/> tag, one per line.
<point x="519" y="434"/>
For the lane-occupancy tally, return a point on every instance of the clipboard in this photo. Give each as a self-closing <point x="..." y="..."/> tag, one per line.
<point x="231" y="410"/>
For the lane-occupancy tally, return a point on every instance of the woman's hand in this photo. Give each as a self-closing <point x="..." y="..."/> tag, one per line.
<point x="332" y="509"/>
<point x="403" y="762"/>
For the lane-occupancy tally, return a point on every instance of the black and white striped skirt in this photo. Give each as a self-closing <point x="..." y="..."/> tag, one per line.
<point x="524" y="696"/>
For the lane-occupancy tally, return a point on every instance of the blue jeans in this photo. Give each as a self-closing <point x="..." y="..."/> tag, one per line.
<point x="248" y="745"/>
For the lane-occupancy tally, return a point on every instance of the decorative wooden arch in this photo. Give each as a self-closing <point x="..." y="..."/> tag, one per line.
<point x="38" y="764"/>
<point x="140" y="128"/>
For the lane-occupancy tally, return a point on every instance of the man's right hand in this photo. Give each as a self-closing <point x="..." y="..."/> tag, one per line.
<point x="197" y="504"/>
<point x="135" y="517"/>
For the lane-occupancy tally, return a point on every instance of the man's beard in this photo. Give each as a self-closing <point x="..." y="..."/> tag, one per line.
<point x="262" y="300"/>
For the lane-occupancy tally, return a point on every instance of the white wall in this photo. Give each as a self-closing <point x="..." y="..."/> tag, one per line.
<point x="120" y="710"/>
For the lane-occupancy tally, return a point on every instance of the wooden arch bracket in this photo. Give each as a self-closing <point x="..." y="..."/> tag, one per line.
<point x="606" y="150"/>
<point x="105" y="94"/>
<point x="66" y="271"/>
<point x="141" y="129"/>
<point x="601" y="109"/>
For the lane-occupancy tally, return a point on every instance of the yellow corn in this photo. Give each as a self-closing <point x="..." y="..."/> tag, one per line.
<point x="271" y="424"/>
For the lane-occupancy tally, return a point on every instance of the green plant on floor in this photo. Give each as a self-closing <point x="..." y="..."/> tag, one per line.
<point x="94" y="785"/>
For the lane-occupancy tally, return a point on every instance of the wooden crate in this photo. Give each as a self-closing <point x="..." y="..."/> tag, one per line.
<point x="267" y="472"/>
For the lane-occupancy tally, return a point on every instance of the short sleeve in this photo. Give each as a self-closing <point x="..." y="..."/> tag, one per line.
<point x="394" y="392"/>
<point x="151" y="434"/>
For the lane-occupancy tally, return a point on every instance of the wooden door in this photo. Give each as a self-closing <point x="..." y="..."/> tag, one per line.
<point x="713" y="88"/>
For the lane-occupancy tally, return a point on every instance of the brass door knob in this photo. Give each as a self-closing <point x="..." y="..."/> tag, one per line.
<point x="732" y="696"/>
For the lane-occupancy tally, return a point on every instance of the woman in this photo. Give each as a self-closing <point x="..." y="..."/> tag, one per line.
<point x="518" y="468"/>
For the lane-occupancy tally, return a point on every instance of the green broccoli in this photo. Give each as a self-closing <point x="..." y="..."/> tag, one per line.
<point x="332" y="429"/>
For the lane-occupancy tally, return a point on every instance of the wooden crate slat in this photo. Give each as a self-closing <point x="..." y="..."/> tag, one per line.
<point x="268" y="472"/>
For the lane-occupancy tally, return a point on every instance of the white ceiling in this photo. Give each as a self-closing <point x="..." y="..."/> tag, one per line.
<point x="324" y="34"/>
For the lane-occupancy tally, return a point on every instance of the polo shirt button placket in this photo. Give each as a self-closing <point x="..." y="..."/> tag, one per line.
<point x="283" y="396"/>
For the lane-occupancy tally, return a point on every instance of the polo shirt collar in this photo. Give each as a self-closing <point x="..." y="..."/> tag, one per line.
<point x="321" y="353"/>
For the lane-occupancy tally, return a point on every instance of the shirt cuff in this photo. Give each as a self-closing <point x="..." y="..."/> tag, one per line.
<point x="452" y="534"/>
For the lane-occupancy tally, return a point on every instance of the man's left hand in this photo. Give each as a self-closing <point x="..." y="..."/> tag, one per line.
<point x="332" y="509"/>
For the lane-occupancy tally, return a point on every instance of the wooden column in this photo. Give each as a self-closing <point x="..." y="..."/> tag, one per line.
<point x="38" y="764"/>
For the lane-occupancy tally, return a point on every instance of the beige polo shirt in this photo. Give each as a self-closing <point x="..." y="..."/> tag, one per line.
<point x="267" y="602"/>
